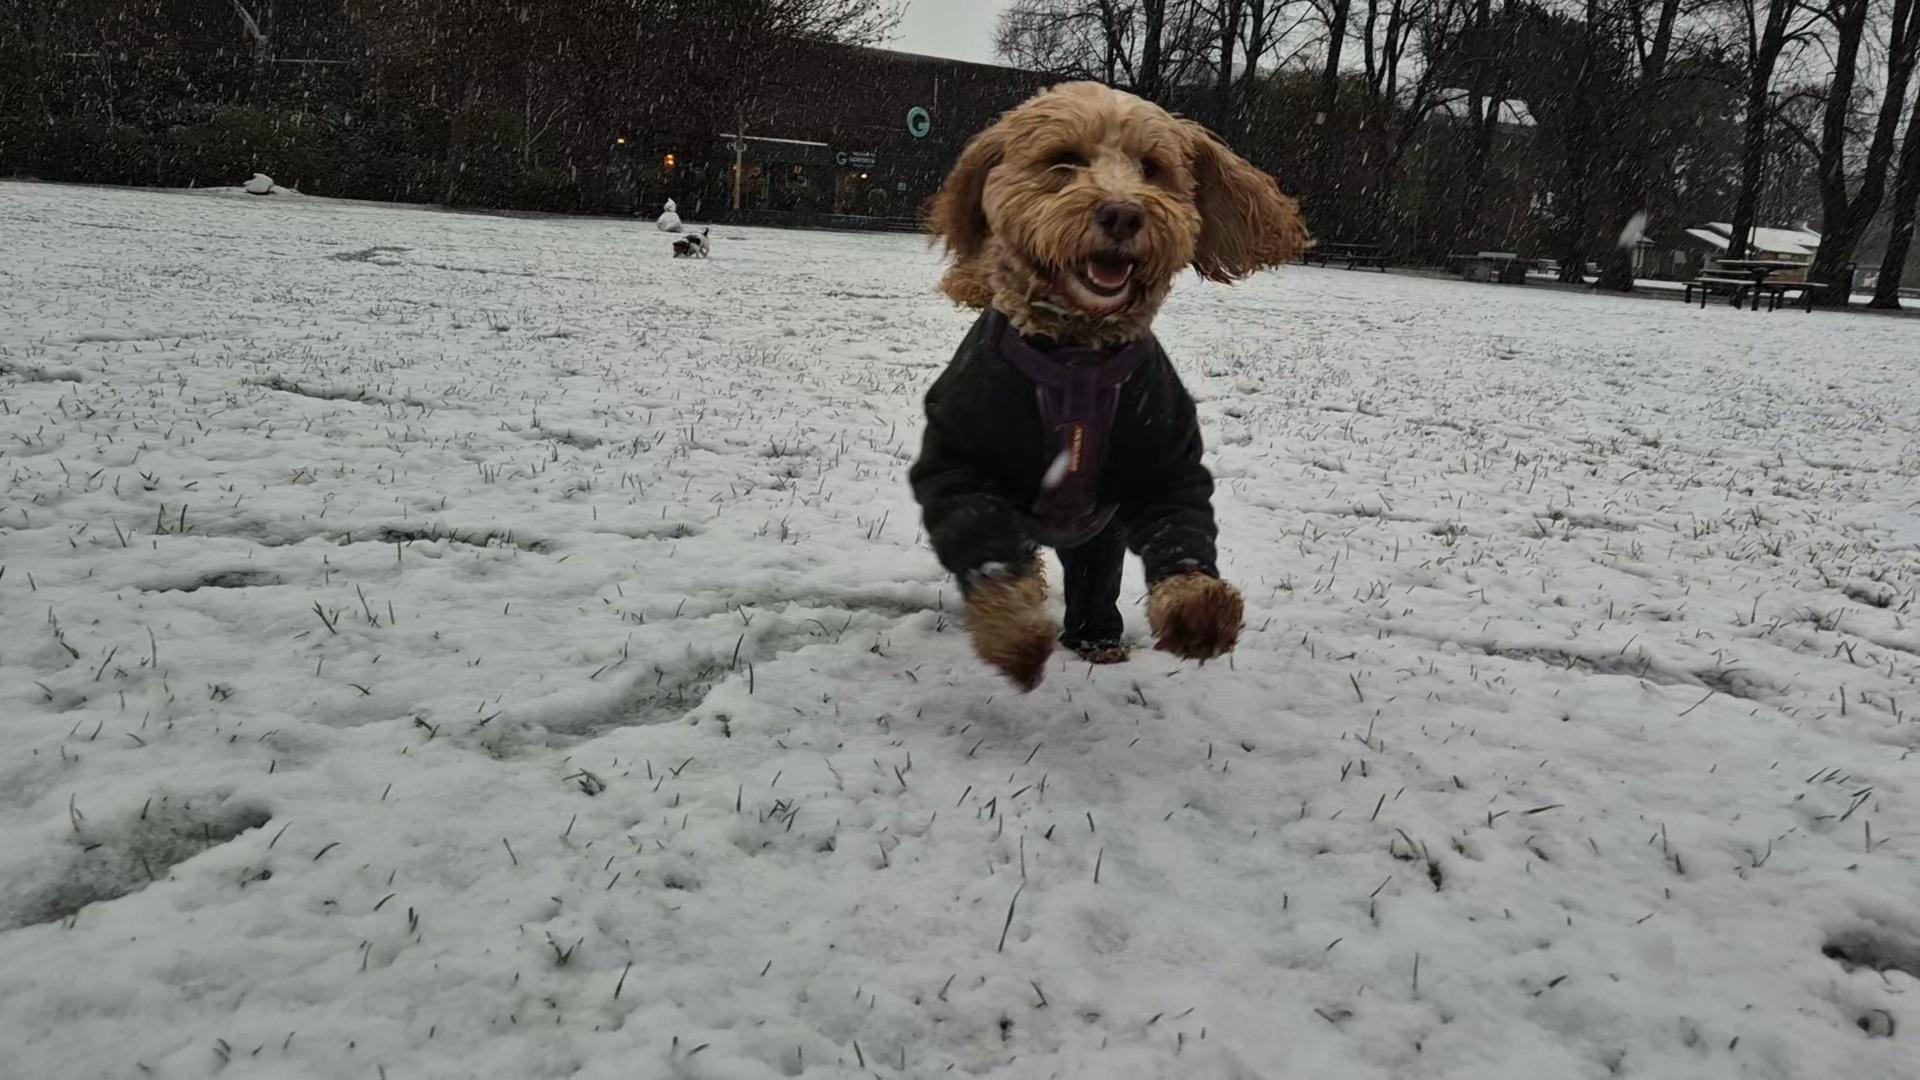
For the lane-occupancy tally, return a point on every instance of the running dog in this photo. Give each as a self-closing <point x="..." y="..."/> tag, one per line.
<point x="694" y="245"/>
<point x="1060" y="422"/>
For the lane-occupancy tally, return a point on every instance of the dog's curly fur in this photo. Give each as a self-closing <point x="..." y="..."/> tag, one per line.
<point x="1021" y="217"/>
<point x="1007" y="617"/>
<point x="1195" y="616"/>
<point x="1018" y="213"/>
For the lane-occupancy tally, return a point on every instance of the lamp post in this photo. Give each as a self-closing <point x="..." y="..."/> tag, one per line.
<point x="739" y="154"/>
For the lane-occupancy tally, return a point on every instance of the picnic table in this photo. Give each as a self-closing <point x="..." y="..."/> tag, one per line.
<point x="1504" y="267"/>
<point x="1355" y="255"/>
<point x="1768" y="278"/>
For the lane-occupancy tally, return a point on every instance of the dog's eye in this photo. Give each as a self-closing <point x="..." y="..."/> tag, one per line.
<point x="1150" y="168"/>
<point x="1067" y="159"/>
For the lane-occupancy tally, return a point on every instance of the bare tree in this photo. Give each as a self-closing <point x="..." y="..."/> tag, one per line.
<point x="1571" y="123"/>
<point x="1086" y="39"/>
<point x="1487" y="60"/>
<point x="1906" y="203"/>
<point x="35" y="29"/>
<point x="1229" y="19"/>
<point x="1146" y="46"/>
<point x="1239" y="39"/>
<point x="1151" y="77"/>
<point x="1273" y="25"/>
<point x="852" y="22"/>
<point x="1385" y="37"/>
<point x="1769" y="29"/>
<point x="1849" y="200"/>
<point x="1649" y="32"/>
<point x="1437" y="29"/>
<point x="1334" y="15"/>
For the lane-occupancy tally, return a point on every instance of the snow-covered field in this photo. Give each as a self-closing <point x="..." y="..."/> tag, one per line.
<point x="442" y="645"/>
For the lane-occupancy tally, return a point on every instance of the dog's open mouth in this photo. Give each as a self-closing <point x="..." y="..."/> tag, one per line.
<point x="1108" y="275"/>
<point x="1102" y="284"/>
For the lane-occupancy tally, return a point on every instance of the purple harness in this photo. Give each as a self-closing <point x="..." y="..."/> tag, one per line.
<point x="1079" y="394"/>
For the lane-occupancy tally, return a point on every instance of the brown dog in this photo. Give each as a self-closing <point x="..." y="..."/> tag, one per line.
<point x="1021" y="214"/>
<point x="1061" y="422"/>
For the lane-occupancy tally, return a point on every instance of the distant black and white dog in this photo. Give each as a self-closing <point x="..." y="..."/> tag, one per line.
<point x="693" y="245"/>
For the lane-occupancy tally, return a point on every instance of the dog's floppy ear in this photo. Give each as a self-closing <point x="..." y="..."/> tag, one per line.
<point x="1246" y="223"/>
<point x="956" y="216"/>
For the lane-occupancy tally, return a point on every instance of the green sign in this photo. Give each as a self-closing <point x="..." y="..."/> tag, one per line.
<point x="919" y="122"/>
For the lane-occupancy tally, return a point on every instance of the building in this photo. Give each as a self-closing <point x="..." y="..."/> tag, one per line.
<point x="850" y="135"/>
<point x="1454" y="105"/>
<point x="1683" y="256"/>
<point x="1787" y="245"/>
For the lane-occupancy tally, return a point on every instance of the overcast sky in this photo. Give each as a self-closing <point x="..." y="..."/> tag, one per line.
<point x="961" y="29"/>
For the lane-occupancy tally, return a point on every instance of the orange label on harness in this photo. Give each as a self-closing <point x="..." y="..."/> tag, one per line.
<point x="1076" y="446"/>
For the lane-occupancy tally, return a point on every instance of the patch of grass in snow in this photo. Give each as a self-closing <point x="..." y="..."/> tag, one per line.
<point x="1879" y="949"/>
<point x="113" y="859"/>
<point x="221" y="579"/>
<point x="432" y="532"/>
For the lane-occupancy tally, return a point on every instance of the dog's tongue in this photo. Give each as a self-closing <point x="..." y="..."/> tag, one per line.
<point x="1109" y="273"/>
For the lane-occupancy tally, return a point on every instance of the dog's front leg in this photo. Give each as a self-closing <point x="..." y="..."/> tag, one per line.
<point x="988" y="547"/>
<point x="1007" y="616"/>
<point x="1195" y="615"/>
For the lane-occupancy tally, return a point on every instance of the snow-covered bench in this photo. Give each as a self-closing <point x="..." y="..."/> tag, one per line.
<point x="1501" y="267"/>
<point x="1708" y="284"/>
<point x="1353" y="254"/>
<point x="1777" y="292"/>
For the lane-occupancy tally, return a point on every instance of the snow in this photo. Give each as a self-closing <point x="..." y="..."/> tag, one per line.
<point x="443" y="644"/>
<point x="1057" y="470"/>
<point x="261" y="184"/>
<point x="669" y="219"/>
<point x="1634" y="231"/>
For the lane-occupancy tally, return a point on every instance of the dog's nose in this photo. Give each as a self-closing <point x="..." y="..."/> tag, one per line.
<point x="1119" y="220"/>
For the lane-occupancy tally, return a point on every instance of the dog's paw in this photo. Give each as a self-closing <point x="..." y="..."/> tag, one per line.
<point x="1195" y="616"/>
<point x="1008" y="620"/>
<point x="1103" y="652"/>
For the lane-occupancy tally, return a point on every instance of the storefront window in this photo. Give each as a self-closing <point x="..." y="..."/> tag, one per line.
<point x="866" y="192"/>
<point x="753" y="186"/>
<point x="794" y="187"/>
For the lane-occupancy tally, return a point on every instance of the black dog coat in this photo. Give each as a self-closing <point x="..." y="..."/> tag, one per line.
<point x="1113" y="430"/>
